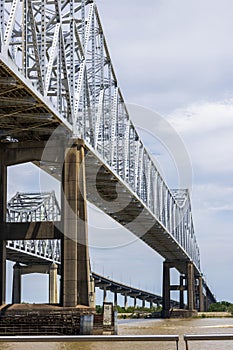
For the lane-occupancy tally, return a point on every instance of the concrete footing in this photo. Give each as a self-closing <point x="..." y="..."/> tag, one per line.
<point x="41" y="319"/>
<point x="183" y="313"/>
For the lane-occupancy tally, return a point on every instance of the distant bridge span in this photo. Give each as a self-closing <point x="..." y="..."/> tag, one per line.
<point x="24" y="207"/>
<point x="35" y="206"/>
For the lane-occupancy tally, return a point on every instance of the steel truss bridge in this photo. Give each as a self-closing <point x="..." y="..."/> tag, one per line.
<point x="28" y="207"/>
<point x="57" y="84"/>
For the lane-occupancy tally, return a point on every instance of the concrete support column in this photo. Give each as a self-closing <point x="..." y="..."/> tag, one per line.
<point x="135" y="302"/>
<point x="3" y="195"/>
<point x="83" y="247"/>
<point x="182" y="279"/>
<point x="206" y="305"/>
<point x="104" y="295"/>
<point x="92" y="293"/>
<point x="166" y="290"/>
<point x="143" y="302"/>
<point x="126" y="302"/>
<point x="16" y="288"/>
<point x="75" y="256"/>
<point x="190" y="285"/>
<point x="115" y="299"/>
<point x="53" y="292"/>
<point x="151" y="304"/>
<point x="201" y="296"/>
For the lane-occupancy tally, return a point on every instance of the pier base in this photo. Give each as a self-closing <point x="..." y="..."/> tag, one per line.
<point x="42" y="319"/>
<point x="45" y="319"/>
<point x="183" y="313"/>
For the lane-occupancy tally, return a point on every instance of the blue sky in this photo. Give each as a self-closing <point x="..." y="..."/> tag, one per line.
<point x="174" y="58"/>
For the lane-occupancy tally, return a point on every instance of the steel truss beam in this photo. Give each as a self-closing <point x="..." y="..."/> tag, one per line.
<point x="36" y="213"/>
<point x="60" y="47"/>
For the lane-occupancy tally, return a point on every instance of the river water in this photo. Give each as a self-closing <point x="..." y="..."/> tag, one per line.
<point x="155" y="326"/>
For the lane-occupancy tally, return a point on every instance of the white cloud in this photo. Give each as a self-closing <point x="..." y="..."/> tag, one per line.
<point x="169" y="48"/>
<point x="207" y="129"/>
<point x="207" y="132"/>
<point x="203" y="117"/>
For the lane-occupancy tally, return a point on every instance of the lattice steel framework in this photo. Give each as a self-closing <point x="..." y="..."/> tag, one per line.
<point x="28" y="207"/>
<point x="61" y="48"/>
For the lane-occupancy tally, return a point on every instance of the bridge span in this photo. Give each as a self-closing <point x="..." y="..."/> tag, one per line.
<point x="62" y="109"/>
<point x="40" y="255"/>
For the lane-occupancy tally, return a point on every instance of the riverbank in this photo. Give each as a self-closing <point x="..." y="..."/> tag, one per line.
<point x="214" y="314"/>
<point x="143" y="315"/>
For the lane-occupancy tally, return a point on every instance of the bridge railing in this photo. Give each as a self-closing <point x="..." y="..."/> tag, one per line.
<point x="206" y="337"/>
<point x="95" y="338"/>
<point x="61" y="48"/>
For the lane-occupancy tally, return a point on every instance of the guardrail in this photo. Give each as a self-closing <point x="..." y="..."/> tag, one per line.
<point x="205" y="337"/>
<point x="117" y="338"/>
<point x="93" y="338"/>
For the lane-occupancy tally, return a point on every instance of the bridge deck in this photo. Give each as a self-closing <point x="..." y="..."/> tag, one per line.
<point x="56" y="74"/>
<point x="126" y="207"/>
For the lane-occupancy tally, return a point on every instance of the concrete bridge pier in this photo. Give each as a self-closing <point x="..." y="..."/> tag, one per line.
<point x="166" y="290"/>
<point x="182" y="288"/>
<point x="143" y="302"/>
<point x="201" y="295"/>
<point x="104" y="295"/>
<point x="92" y="293"/>
<point x="19" y="270"/>
<point x="115" y="299"/>
<point x="53" y="290"/>
<point x="206" y="304"/>
<point x="126" y="301"/>
<point x="16" y="286"/>
<point x="75" y="275"/>
<point x="75" y="270"/>
<point x="189" y="286"/>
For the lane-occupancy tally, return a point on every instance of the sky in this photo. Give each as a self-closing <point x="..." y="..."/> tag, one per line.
<point x="173" y="58"/>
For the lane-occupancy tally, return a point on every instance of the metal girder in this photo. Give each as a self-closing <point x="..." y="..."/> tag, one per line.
<point x="31" y="216"/>
<point x="60" y="51"/>
<point x="36" y="209"/>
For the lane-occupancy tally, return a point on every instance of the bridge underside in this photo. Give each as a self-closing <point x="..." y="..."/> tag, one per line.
<point x="24" y="120"/>
<point x="116" y="199"/>
<point x="24" y="113"/>
<point x="27" y="121"/>
<point x="36" y="120"/>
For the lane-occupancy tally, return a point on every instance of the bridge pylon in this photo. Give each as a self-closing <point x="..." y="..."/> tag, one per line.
<point x="190" y="283"/>
<point x="48" y="268"/>
<point x="71" y="228"/>
<point x="75" y="274"/>
<point x="36" y="218"/>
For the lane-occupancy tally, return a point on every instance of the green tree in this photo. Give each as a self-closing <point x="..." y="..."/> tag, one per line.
<point x="221" y="306"/>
